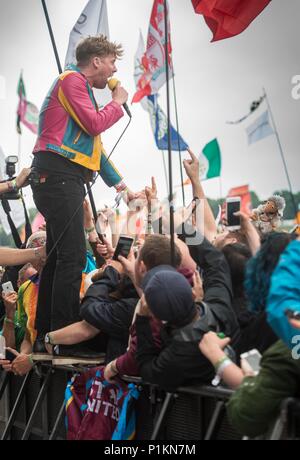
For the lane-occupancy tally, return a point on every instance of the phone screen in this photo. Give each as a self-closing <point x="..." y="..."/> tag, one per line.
<point x="253" y="359"/>
<point x="232" y="207"/>
<point x="123" y="247"/>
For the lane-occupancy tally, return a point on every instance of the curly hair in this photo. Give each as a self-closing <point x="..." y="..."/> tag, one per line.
<point x="98" y="45"/>
<point x="259" y="269"/>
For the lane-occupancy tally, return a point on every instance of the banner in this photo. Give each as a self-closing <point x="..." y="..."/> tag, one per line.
<point x="27" y="113"/>
<point x="227" y="18"/>
<point x="210" y="161"/>
<point x="158" y="118"/>
<point x="154" y="59"/>
<point x="260" y="129"/>
<point x="92" y="21"/>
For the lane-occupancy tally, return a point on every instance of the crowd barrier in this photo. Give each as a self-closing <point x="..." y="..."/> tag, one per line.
<point x="32" y="407"/>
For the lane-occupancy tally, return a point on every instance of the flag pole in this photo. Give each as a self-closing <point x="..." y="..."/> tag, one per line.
<point x="19" y="151"/>
<point x="171" y="205"/>
<point x="165" y="170"/>
<point x="51" y="36"/>
<point x="88" y="186"/>
<point x="179" y="150"/>
<point x="281" y="153"/>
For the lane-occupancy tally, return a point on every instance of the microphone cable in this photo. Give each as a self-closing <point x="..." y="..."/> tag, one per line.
<point x="86" y="193"/>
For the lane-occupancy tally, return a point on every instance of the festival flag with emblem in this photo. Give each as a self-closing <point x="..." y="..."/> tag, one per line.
<point x="158" y="118"/>
<point x="27" y="113"/>
<point x="154" y="59"/>
<point x="92" y="21"/>
<point x="210" y="161"/>
<point x="227" y="18"/>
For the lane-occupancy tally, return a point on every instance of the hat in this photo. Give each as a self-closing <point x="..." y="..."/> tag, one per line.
<point x="169" y="295"/>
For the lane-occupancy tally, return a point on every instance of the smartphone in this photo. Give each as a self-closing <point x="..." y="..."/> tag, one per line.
<point x="292" y="314"/>
<point x="123" y="247"/>
<point x="2" y="347"/>
<point x="7" y="288"/>
<point x="233" y="204"/>
<point x="253" y="358"/>
<point x="9" y="355"/>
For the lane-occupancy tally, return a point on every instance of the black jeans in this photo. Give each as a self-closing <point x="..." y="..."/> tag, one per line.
<point x="58" y="302"/>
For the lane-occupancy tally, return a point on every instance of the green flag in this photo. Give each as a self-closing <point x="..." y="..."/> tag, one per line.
<point x="21" y="87"/>
<point x="210" y="161"/>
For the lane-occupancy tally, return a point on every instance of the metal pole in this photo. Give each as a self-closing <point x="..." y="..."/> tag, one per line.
<point x="60" y="71"/>
<point x="281" y="153"/>
<point x="165" y="170"/>
<point x="179" y="150"/>
<point x="52" y="36"/>
<point x="169" y="137"/>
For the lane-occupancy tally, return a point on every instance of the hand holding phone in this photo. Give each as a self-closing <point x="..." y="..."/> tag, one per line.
<point x="7" y="287"/>
<point x="252" y="358"/>
<point x="123" y="247"/>
<point x="233" y="205"/>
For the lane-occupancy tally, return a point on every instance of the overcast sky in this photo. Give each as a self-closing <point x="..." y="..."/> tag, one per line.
<point x="215" y="82"/>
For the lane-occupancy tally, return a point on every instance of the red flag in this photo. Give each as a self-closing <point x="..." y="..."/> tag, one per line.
<point x="244" y="193"/>
<point x="154" y="59"/>
<point x="227" y="18"/>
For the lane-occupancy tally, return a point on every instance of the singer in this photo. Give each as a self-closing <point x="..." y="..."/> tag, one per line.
<point x="66" y="153"/>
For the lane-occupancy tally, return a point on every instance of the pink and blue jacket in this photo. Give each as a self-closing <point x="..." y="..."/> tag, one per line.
<point x="70" y="124"/>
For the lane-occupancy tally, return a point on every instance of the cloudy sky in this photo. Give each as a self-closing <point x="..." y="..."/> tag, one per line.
<point x="215" y="82"/>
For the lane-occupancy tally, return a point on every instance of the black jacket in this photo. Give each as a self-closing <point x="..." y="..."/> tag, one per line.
<point x="180" y="361"/>
<point x="111" y="316"/>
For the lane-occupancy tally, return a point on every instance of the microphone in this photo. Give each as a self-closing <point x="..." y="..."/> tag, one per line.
<point x="112" y="83"/>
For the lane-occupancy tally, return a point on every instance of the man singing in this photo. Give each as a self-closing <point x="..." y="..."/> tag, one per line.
<point x="67" y="151"/>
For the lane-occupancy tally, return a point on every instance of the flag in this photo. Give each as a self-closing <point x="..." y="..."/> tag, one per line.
<point x="92" y="21"/>
<point x="243" y="192"/>
<point x="210" y="161"/>
<point x="27" y="113"/>
<point x="158" y="118"/>
<point x="227" y="18"/>
<point x="154" y="59"/>
<point x="260" y="129"/>
<point x="160" y="127"/>
<point x="253" y="107"/>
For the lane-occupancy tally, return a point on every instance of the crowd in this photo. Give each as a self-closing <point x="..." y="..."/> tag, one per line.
<point x="173" y="317"/>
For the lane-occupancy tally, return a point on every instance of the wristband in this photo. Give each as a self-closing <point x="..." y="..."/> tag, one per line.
<point x="30" y="358"/>
<point x="12" y="185"/>
<point x="219" y="362"/>
<point x="221" y="368"/>
<point x="90" y="230"/>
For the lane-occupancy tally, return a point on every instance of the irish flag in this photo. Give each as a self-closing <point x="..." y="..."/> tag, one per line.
<point x="210" y="161"/>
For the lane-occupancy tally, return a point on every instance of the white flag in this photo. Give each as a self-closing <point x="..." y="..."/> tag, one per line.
<point x="92" y="21"/>
<point x="139" y="69"/>
<point x="260" y="129"/>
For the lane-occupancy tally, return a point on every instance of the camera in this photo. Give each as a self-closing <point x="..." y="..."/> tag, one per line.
<point x="34" y="177"/>
<point x="10" y="171"/>
<point x="11" y="161"/>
